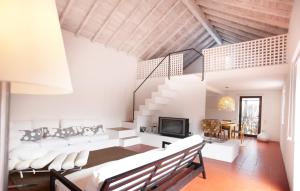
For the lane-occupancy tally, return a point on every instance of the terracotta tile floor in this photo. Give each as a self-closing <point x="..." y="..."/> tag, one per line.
<point x="259" y="167"/>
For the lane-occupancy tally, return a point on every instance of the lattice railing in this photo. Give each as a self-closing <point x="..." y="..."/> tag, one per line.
<point x="255" y="53"/>
<point x="144" y="68"/>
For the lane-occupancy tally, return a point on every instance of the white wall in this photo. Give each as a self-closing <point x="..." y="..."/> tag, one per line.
<point x="271" y="109"/>
<point x="103" y="81"/>
<point x="188" y="103"/>
<point x="145" y="91"/>
<point x="289" y="141"/>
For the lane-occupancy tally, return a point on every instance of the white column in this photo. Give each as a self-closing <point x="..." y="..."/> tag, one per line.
<point x="4" y="133"/>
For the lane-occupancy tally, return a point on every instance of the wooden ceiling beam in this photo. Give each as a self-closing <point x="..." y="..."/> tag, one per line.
<point x="228" y="40"/>
<point x="194" y="37"/>
<point x="231" y="38"/>
<point x="199" y="15"/>
<point x="179" y="43"/>
<point x="245" y="13"/>
<point x="103" y="25"/>
<point x="234" y="25"/>
<point x="124" y="22"/>
<point x="157" y="40"/>
<point x="87" y="17"/>
<point x="202" y="39"/>
<point x="133" y="49"/>
<point x="65" y="11"/>
<point x="269" y="7"/>
<point x="204" y="45"/>
<point x="244" y="22"/>
<point x="143" y="20"/>
<point x="166" y="40"/>
<point x="233" y="34"/>
<point x="235" y="30"/>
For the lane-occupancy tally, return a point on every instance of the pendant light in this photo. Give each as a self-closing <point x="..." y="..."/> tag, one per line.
<point x="226" y="103"/>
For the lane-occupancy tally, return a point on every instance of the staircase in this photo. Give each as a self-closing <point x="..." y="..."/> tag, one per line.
<point x="161" y="98"/>
<point x="150" y="110"/>
<point x="146" y="113"/>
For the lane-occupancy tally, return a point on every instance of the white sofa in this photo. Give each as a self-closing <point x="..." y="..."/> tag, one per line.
<point x="91" y="179"/>
<point x="22" y="154"/>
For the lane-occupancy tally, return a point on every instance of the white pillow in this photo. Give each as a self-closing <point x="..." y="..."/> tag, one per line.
<point x="51" y="126"/>
<point x="44" y="160"/>
<point x="12" y="163"/>
<point x="69" y="162"/>
<point x="27" y="151"/>
<point x="22" y="165"/>
<point x="82" y="158"/>
<point x="57" y="163"/>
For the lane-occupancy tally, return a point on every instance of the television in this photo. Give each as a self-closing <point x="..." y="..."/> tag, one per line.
<point x="173" y="127"/>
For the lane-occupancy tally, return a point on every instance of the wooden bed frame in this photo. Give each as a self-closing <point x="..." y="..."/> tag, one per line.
<point x="146" y="177"/>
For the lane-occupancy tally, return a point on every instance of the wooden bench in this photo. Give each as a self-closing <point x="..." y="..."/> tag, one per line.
<point x="146" y="177"/>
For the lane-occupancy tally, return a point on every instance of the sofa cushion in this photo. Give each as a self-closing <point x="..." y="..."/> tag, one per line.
<point x="69" y="162"/>
<point x="123" y="165"/>
<point x="52" y="143"/>
<point x="32" y="135"/>
<point x="82" y="158"/>
<point x="44" y="160"/>
<point x="97" y="138"/>
<point x="48" y="126"/>
<point x="27" y="151"/>
<point x="22" y="165"/>
<point x="77" y="140"/>
<point x="57" y="162"/>
<point x="184" y="144"/>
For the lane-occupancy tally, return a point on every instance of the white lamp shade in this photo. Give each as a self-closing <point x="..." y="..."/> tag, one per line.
<point x="226" y="103"/>
<point x="32" y="54"/>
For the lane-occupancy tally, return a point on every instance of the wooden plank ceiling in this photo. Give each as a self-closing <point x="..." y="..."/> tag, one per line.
<point x="153" y="28"/>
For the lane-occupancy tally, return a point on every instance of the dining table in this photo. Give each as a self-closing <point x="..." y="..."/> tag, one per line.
<point x="229" y="127"/>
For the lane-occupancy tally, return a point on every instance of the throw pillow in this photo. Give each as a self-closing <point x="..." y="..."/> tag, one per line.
<point x="92" y="130"/>
<point x="59" y="132"/>
<point x="32" y="135"/>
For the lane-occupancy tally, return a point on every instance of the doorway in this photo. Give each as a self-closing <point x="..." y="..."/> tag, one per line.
<point x="250" y="114"/>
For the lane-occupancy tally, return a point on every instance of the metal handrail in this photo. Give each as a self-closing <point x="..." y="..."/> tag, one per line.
<point x="169" y="71"/>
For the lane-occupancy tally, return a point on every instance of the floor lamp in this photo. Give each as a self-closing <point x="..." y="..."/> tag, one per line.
<point x="32" y="60"/>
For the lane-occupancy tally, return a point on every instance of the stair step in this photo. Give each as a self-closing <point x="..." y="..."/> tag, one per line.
<point x="130" y="137"/>
<point x="120" y="132"/>
<point x="129" y="141"/>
